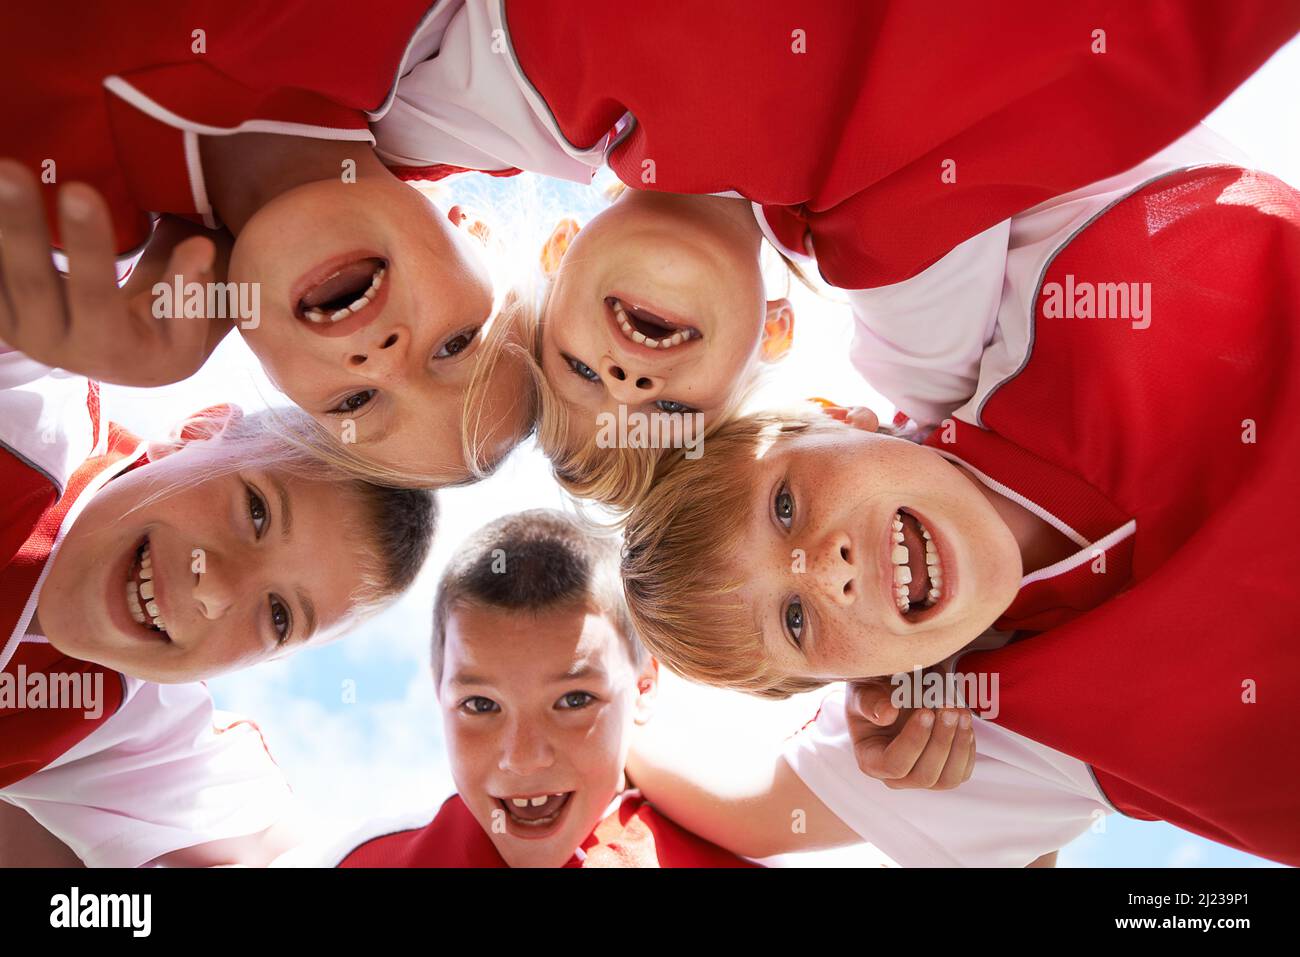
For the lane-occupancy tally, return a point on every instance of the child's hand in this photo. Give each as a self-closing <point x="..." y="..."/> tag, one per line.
<point x="858" y="416"/>
<point x="908" y="747"/>
<point x="86" y="324"/>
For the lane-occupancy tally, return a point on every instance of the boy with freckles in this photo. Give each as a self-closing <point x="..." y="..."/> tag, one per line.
<point x="543" y="686"/>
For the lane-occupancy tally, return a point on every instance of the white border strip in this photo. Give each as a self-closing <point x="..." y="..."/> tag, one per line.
<point x="1089" y="552"/>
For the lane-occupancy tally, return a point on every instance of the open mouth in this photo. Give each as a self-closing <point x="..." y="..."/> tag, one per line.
<point x="647" y="328"/>
<point x="536" y="811"/>
<point x="141" y="600"/>
<point x="918" y="569"/>
<point x="343" y="292"/>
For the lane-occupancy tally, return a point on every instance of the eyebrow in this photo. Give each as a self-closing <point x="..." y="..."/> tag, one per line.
<point x="309" y="612"/>
<point x="286" y="511"/>
<point x="577" y="671"/>
<point x="467" y="678"/>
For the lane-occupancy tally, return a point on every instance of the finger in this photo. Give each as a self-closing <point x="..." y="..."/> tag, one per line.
<point x="929" y="766"/>
<point x="860" y="417"/>
<point x="32" y="285"/>
<point x="87" y="231"/>
<point x="184" y="338"/>
<point x="958" y="766"/>
<point x="970" y="760"/>
<point x="873" y="701"/>
<point x="893" y="760"/>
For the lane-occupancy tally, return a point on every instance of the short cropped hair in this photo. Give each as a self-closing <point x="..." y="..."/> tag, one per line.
<point x="532" y="562"/>
<point x="682" y="565"/>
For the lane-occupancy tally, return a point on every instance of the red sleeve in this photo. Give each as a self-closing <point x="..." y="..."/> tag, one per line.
<point x="452" y="839"/>
<point x="845" y="142"/>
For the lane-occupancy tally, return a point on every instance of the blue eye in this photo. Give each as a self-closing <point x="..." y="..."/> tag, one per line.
<point x="794" y="619"/>
<point x="673" y="408"/>
<point x="574" y="700"/>
<point x="582" y="369"/>
<point x="353" y="402"/>
<point x="783" y="507"/>
<point x="479" y="705"/>
<point x="281" y="620"/>
<point x="257" y="511"/>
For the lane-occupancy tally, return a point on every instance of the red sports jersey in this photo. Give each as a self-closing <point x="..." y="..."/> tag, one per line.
<point x="633" y="835"/>
<point x="36" y="511"/>
<point x="117" y="96"/>
<point x="1162" y="653"/>
<point x="885" y="133"/>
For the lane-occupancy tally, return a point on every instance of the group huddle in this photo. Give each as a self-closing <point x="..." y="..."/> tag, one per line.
<point x="1081" y="303"/>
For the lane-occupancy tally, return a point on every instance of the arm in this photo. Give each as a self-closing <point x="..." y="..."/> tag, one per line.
<point x="750" y="802"/>
<point x="252" y="850"/>
<point x="24" y="843"/>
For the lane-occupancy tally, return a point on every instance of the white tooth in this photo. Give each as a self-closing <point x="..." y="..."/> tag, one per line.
<point x="902" y="575"/>
<point x="519" y="802"/>
<point x="378" y="280"/>
<point x="936" y="580"/>
<point x="934" y="594"/>
<point x="146" y="589"/>
<point x="925" y="533"/>
<point x="539" y="801"/>
<point x="359" y="304"/>
<point x="652" y="343"/>
<point x="146" y="572"/>
<point x="152" y="608"/>
<point x="932" y="558"/>
<point x="638" y="337"/>
<point x="678" y="339"/>
<point x="315" y="315"/>
<point x="627" y="330"/>
<point x="898" y="525"/>
<point x="341" y="314"/>
<point x="133" y="603"/>
<point x="898" y="537"/>
<point x="899" y="555"/>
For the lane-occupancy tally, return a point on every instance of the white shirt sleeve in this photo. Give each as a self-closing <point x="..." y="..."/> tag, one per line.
<point x="168" y="771"/>
<point x="1023" y="799"/>
<point x="919" y="342"/>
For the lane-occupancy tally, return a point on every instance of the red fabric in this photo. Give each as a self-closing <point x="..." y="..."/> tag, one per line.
<point x="299" y="61"/>
<point x="1143" y="677"/>
<point x="634" y="835"/>
<point x="415" y="174"/>
<point x="30" y="738"/>
<point x="844" y="144"/>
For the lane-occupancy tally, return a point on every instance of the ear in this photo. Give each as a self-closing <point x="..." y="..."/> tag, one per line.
<point x="557" y="245"/>
<point x="778" y="330"/>
<point x="647" y="690"/>
<point x="199" y="427"/>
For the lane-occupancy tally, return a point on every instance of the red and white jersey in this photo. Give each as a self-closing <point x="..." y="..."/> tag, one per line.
<point x="1144" y="407"/>
<point x="124" y="770"/>
<point x="921" y="343"/>
<point x="118" y="97"/>
<point x="632" y="834"/>
<point x="1023" y="799"/>
<point x="882" y="134"/>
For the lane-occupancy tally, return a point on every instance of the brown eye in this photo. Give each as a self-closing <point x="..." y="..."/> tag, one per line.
<point x="456" y="344"/>
<point x="794" y="619"/>
<point x="783" y="507"/>
<point x="280" y="619"/>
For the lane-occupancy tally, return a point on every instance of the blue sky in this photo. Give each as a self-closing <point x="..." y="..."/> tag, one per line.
<point x="383" y="753"/>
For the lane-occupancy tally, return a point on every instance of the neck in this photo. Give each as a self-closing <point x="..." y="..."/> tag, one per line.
<point x="245" y="172"/>
<point x="1039" y="543"/>
<point x="728" y="217"/>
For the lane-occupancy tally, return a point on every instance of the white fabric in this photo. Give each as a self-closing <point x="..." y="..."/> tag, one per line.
<point x="1023" y="799"/>
<point x="43" y="416"/>
<point x="168" y="771"/>
<point x="467" y="103"/>
<point x="936" y="344"/>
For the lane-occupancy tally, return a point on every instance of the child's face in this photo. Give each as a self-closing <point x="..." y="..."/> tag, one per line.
<point x="660" y="267"/>
<point x="538" y="708"/>
<point x="820" y="560"/>
<point x="391" y="374"/>
<point x="242" y="567"/>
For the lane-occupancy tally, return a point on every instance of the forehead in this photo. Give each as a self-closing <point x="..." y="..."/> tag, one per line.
<point x="530" y="647"/>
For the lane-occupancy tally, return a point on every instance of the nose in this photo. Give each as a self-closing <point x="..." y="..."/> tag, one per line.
<point x="384" y="356"/>
<point x="525" y="749"/>
<point x="836" y="570"/>
<point x="629" y="386"/>
<point x="215" y="588"/>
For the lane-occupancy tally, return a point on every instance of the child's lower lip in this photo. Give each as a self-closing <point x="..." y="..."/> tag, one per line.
<point x="318" y="274"/>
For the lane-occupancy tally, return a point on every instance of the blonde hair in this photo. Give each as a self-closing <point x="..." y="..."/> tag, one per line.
<point x="682" y="565"/>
